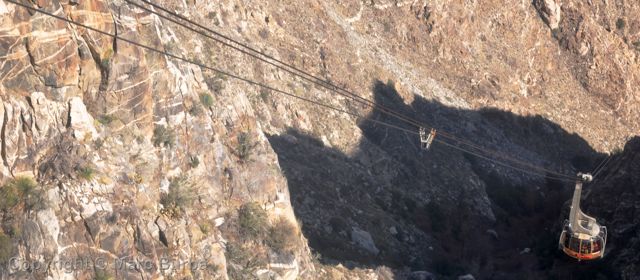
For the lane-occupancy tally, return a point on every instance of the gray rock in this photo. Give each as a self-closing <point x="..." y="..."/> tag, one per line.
<point x="393" y="230"/>
<point x="363" y="239"/>
<point x="466" y="277"/>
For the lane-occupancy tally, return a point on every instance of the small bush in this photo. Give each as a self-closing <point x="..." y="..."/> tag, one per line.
<point x="206" y="99"/>
<point x="620" y="24"/>
<point x="103" y="275"/>
<point x="106" y="119"/>
<point x="283" y="236"/>
<point x="264" y="94"/>
<point x="21" y="190"/>
<point x="163" y="136"/>
<point x="106" y="59"/>
<point x="194" y="161"/>
<point x="245" y="146"/>
<point x="253" y="221"/>
<point x="205" y="228"/>
<point x="87" y="173"/>
<point x="25" y="185"/>
<point x="9" y="197"/>
<point x="6" y="248"/>
<point x="178" y="198"/>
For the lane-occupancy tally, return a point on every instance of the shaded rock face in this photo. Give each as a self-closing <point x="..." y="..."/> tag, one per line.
<point x="620" y="212"/>
<point x="443" y="204"/>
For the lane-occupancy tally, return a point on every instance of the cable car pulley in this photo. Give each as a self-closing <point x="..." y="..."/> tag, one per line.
<point x="426" y="139"/>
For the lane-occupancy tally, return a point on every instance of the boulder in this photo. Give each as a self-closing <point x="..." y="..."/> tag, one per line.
<point x="393" y="230"/>
<point x="80" y="120"/>
<point x="363" y="239"/>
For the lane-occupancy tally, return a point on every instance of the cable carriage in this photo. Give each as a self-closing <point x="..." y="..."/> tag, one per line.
<point x="582" y="237"/>
<point x="426" y="139"/>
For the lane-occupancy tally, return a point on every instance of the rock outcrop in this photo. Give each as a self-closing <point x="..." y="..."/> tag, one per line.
<point x="550" y="11"/>
<point x="364" y="240"/>
<point x="80" y="121"/>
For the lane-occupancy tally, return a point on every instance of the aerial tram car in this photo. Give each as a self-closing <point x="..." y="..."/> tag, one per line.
<point x="582" y="237"/>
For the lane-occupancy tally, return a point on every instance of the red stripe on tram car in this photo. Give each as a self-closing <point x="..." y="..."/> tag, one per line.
<point x="579" y="256"/>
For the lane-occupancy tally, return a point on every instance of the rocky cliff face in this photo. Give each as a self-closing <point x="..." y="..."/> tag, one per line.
<point x="142" y="162"/>
<point x="162" y="169"/>
<point x="614" y="198"/>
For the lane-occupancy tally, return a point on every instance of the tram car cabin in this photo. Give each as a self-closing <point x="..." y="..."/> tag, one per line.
<point x="582" y="237"/>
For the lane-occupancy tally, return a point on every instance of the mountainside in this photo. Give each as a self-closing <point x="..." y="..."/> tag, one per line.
<point x="614" y="199"/>
<point x="123" y="162"/>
